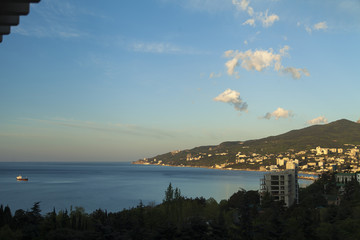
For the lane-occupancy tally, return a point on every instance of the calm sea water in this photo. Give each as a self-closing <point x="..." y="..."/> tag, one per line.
<point x="112" y="186"/>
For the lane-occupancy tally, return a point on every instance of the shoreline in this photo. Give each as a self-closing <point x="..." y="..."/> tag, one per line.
<point x="226" y="169"/>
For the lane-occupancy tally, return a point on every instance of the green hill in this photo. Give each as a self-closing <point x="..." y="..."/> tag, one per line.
<point x="334" y="134"/>
<point x="331" y="135"/>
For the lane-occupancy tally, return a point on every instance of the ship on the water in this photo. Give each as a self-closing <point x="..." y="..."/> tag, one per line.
<point x="21" y="178"/>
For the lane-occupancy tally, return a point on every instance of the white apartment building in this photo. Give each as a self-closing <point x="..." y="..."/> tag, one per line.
<point x="282" y="186"/>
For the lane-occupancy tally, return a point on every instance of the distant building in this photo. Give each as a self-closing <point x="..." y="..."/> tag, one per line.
<point x="354" y="151"/>
<point x="280" y="161"/>
<point x="291" y="165"/>
<point x="282" y="186"/>
<point x="333" y="150"/>
<point x="321" y="151"/>
<point x="274" y="168"/>
<point x="343" y="178"/>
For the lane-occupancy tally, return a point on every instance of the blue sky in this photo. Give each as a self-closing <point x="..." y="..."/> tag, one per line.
<point x="123" y="80"/>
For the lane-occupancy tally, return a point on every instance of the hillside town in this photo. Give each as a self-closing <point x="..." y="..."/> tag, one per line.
<point x="312" y="161"/>
<point x="281" y="170"/>
<point x="318" y="160"/>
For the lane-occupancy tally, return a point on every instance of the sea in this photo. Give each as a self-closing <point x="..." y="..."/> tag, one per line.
<point x="113" y="186"/>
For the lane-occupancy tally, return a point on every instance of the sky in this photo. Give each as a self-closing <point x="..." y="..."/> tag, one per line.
<point x="125" y="80"/>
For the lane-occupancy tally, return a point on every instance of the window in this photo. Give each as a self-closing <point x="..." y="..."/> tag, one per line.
<point x="274" y="177"/>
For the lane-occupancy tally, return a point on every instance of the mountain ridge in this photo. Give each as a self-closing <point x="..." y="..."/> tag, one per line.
<point x="331" y="135"/>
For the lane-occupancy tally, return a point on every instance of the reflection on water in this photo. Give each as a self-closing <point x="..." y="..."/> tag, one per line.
<point x="113" y="186"/>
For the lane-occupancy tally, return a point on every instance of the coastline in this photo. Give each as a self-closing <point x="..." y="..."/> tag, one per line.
<point x="226" y="169"/>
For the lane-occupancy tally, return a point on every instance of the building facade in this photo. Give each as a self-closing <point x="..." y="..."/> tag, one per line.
<point x="343" y="178"/>
<point x="282" y="186"/>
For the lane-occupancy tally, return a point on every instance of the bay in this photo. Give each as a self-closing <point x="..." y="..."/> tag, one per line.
<point x="112" y="186"/>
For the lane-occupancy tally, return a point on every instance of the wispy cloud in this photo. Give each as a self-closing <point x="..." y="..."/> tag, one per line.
<point x="316" y="27"/>
<point x="320" y="26"/>
<point x="155" y="47"/>
<point x="267" y="20"/>
<point x="279" y="113"/>
<point x="233" y="98"/>
<point x="158" y="47"/>
<point x="210" y="6"/>
<point x="259" y="60"/>
<point x="250" y="22"/>
<point x="215" y="75"/>
<point x="56" y="19"/>
<point x="317" y="120"/>
<point x="296" y="73"/>
<point x="308" y="29"/>
<point x="116" y="128"/>
<point x="263" y="17"/>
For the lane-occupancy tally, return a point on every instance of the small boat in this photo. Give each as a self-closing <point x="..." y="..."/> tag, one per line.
<point x="21" y="178"/>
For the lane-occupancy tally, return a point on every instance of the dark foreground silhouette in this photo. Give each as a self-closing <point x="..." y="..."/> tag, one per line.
<point x="325" y="211"/>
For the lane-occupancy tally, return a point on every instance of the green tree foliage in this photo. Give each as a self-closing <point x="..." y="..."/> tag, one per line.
<point x="169" y="194"/>
<point x="6" y="233"/>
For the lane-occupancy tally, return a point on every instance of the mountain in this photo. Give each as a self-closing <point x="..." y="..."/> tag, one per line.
<point x="331" y="135"/>
<point x="334" y="134"/>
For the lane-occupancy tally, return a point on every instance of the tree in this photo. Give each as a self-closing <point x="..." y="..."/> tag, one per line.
<point x="169" y="194"/>
<point x="7" y="217"/>
<point x="177" y="194"/>
<point x="35" y="213"/>
<point x="1" y="215"/>
<point x="352" y="190"/>
<point x="7" y="234"/>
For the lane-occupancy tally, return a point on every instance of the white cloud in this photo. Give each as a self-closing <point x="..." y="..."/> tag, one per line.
<point x="308" y="29"/>
<point x="316" y="27"/>
<point x="229" y="53"/>
<point x="296" y="73"/>
<point x="266" y="20"/>
<point x="250" y="11"/>
<point x="231" y="64"/>
<point x="263" y="17"/>
<point x="243" y="5"/>
<point x="317" y="120"/>
<point x="253" y="60"/>
<point x="158" y="47"/>
<point x="250" y="22"/>
<point x="279" y="113"/>
<point x="320" y="26"/>
<point x="284" y="51"/>
<point x="214" y="75"/>
<point x="259" y="60"/>
<point x="232" y="97"/>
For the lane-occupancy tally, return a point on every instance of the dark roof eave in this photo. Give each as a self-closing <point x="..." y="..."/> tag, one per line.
<point x="10" y="12"/>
